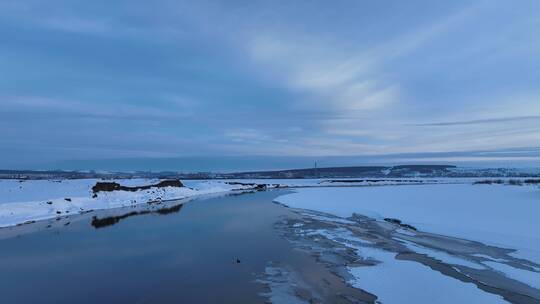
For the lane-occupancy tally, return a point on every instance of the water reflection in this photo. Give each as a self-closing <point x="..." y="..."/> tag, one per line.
<point x="113" y="220"/>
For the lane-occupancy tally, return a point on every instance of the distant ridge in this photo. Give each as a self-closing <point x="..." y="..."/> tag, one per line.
<point x="355" y="171"/>
<point x="399" y="171"/>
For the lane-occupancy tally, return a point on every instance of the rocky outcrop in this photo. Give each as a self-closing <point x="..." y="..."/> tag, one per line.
<point x="113" y="186"/>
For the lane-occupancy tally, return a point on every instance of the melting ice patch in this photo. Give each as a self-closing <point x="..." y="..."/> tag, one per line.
<point x="528" y="277"/>
<point x="393" y="280"/>
<point x="442" y="256"/>
<point x="280" y="281"/>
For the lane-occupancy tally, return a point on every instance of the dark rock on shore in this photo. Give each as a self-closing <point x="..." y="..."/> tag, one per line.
<point x="260" y="187"/>
<point x="393" y="221"/>
<point x="113" y="186"/>
<point x="255" y="186"/>
<point x="400" y="223"/>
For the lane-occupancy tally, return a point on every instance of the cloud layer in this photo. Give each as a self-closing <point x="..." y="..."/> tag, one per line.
<point x="96" y="79"/>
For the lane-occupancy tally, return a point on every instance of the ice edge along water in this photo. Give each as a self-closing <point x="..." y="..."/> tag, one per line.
<point x="496" y="215"/>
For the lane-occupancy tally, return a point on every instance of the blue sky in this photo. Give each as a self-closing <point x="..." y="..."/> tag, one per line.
<point x="87" y="80"/>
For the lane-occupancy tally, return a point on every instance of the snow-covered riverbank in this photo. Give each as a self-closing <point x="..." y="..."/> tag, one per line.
<point x="462" y="225"/>
<point x="23" y="201"/>
<point x="499" y="215"/>
<point x="33" y="200"/>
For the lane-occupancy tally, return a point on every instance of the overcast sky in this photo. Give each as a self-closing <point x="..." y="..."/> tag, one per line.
<point x="127" y="79"/>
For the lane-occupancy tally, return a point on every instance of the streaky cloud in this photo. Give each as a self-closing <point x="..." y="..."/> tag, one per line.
<point x="478" y="121"/>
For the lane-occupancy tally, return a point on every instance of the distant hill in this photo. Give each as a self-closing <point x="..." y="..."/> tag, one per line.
<point x="401" y="171"/>
<point x="344" y="172"/>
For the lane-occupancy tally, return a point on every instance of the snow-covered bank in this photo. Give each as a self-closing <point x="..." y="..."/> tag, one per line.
<point x="28" y="201"/>
<point x="24" y="201"/>
<point x="31" y="200"/>
<point x="497" y="215"/>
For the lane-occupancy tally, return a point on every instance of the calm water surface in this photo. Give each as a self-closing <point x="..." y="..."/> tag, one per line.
<point x="186" y="256"/>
